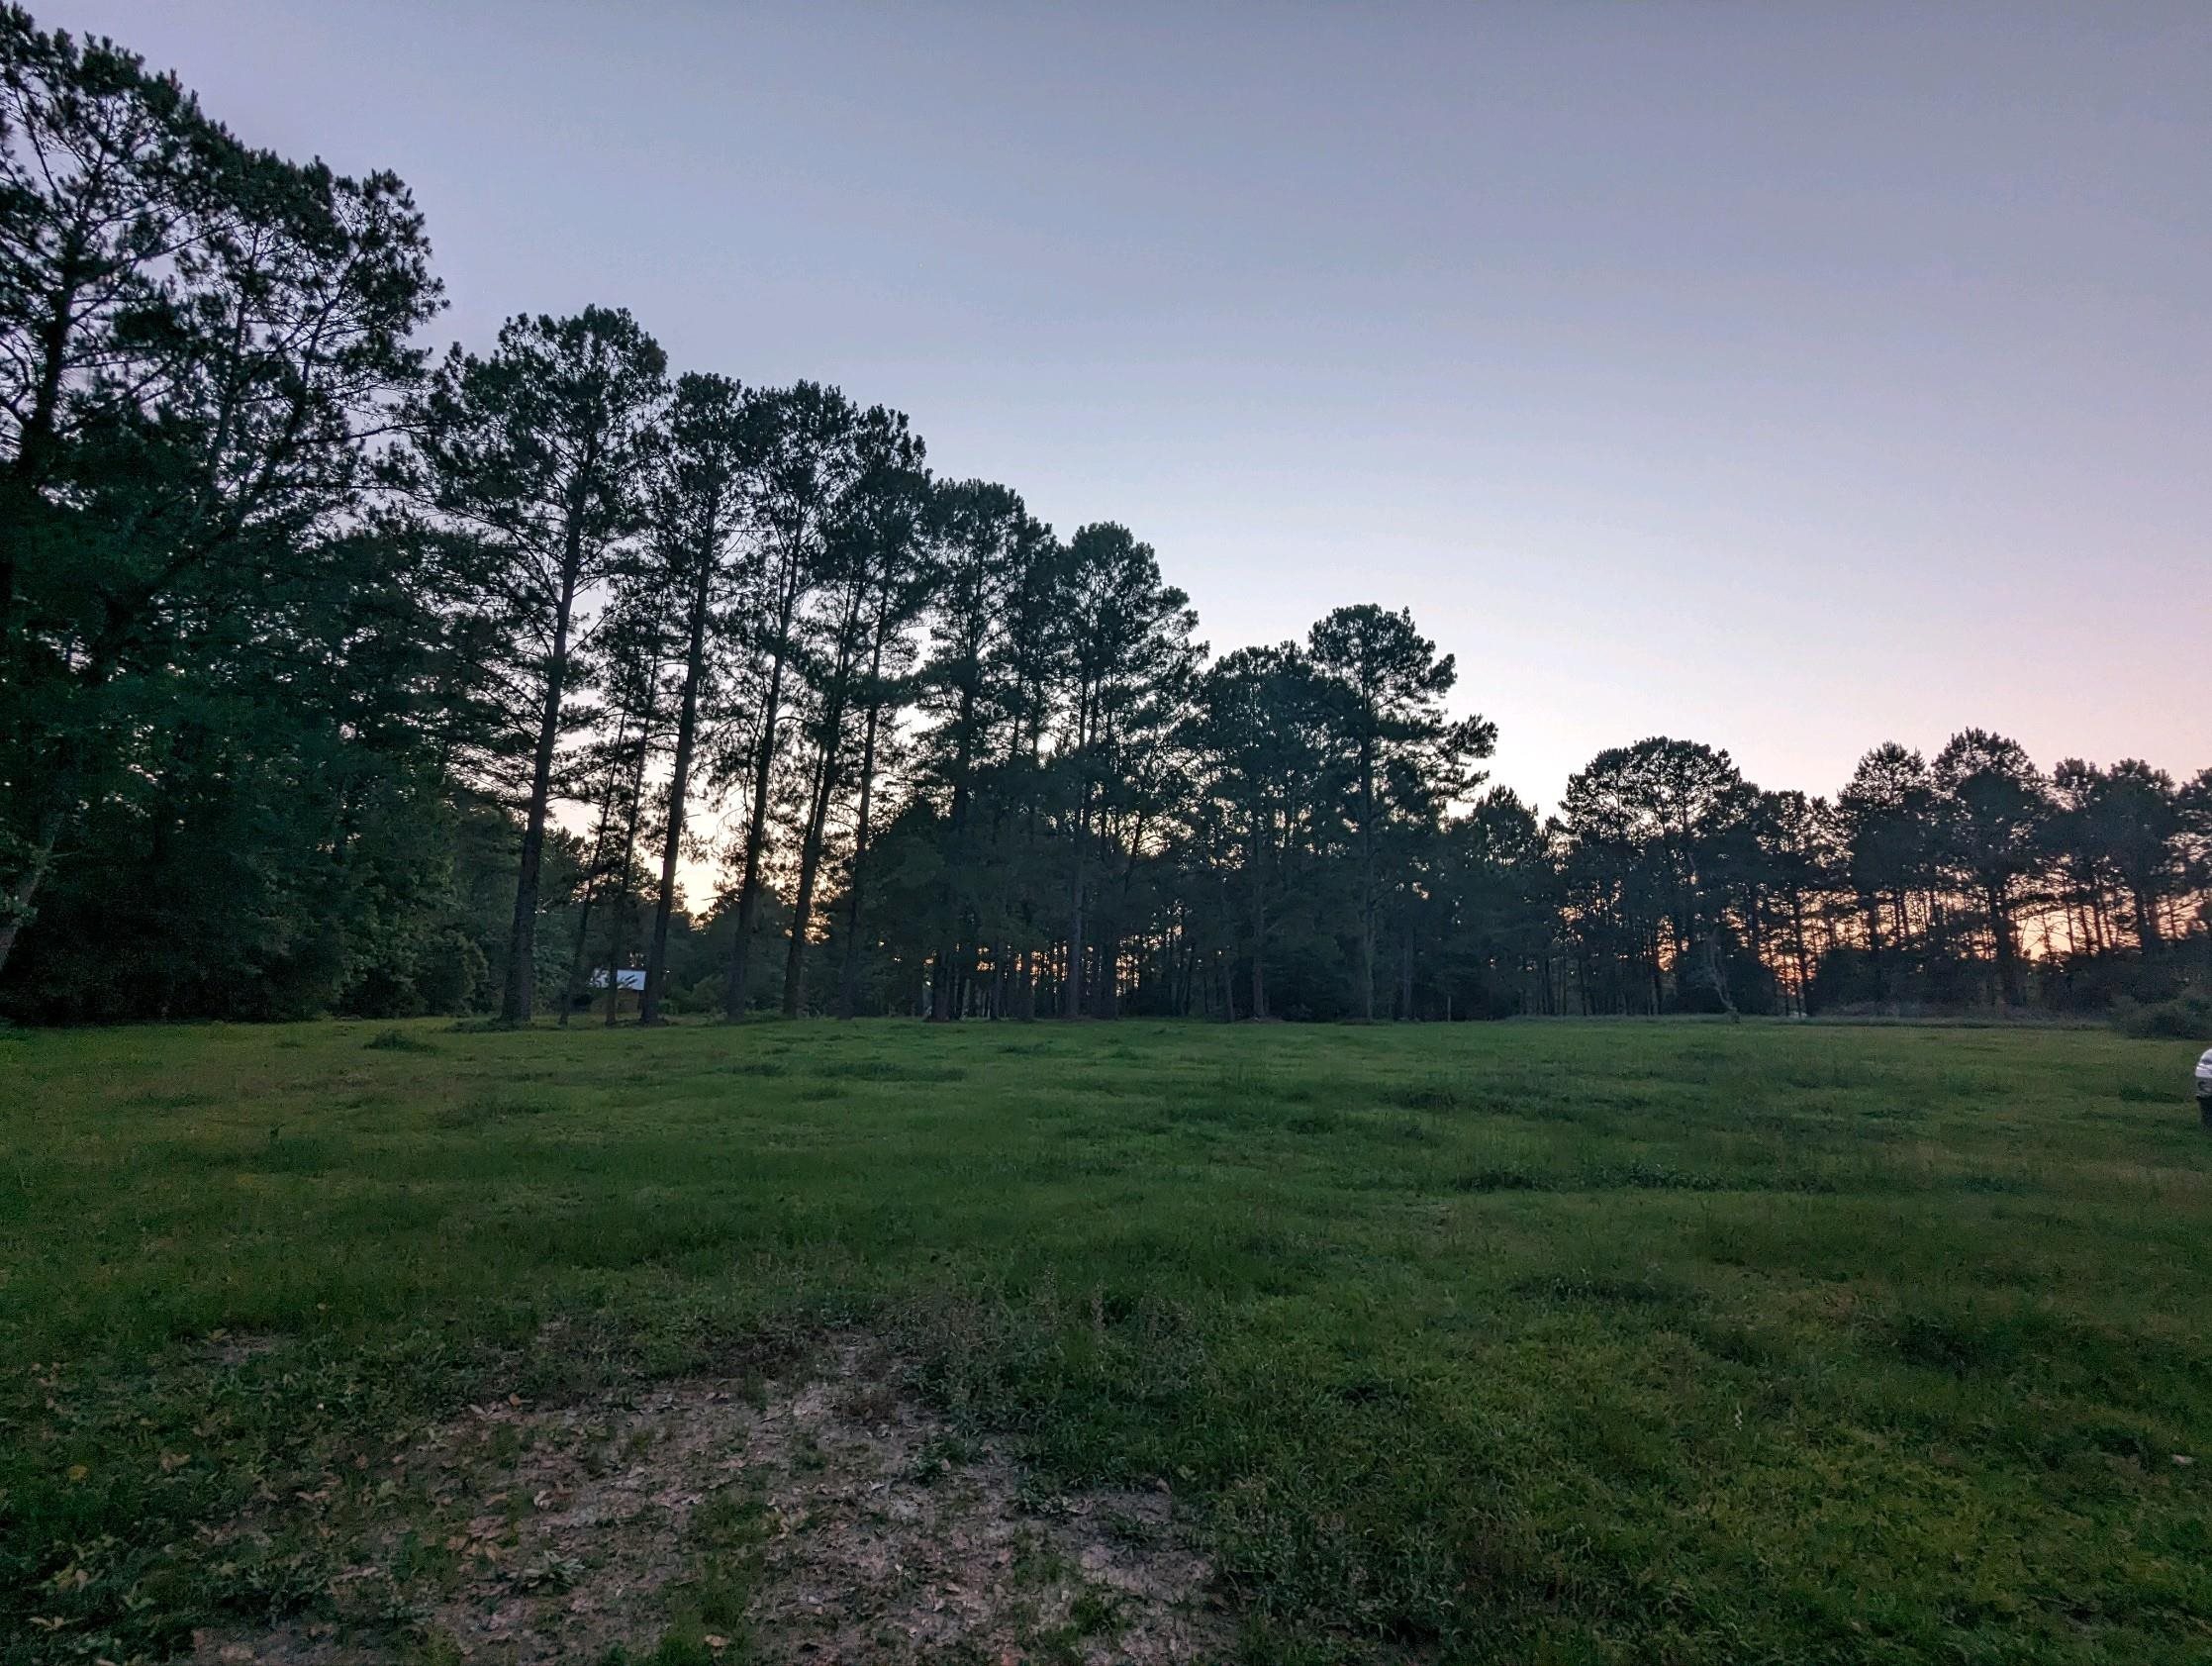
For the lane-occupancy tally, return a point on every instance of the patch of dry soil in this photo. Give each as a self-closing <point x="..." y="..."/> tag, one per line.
<point x="873" y="1531"/>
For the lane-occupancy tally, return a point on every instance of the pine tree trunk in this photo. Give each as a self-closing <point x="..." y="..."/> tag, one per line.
<point x="522" y="937"/>
<point x="575" y="980"/>
<point x="1071" y="995"/>
<point x="1804" y="954"/>
<point x="1254" y="849"/>
<point x="830" y="750"/>
<point x="734" y="988"/>
<point x="2008" y="955"/>
<point x="1367" y="877"/>
<point x="810" y="867"/>
<point x="2149" y="939"/>
<point x="619" y="936"/>
<point x="848" y="974"/>
<point x="679" y="783"/>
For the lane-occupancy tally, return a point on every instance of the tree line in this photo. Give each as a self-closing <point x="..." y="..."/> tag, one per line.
<point x="339" y="677"/>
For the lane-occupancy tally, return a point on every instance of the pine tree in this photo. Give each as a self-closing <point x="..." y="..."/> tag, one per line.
<point x="534" y="454"/>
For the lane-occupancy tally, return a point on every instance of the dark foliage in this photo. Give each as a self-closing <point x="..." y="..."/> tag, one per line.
<point x="334" y="681"/>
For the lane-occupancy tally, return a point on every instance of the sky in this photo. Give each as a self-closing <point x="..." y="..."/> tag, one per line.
<point x="1787" y="377"/>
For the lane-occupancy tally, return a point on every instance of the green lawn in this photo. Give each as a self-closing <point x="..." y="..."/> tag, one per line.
<point x="1626" y="1342"/>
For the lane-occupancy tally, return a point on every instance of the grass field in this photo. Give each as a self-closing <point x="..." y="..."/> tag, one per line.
<point x="1540" y="1342"/>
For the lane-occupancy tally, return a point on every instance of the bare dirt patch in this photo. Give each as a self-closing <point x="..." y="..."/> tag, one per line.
<point x="821" y="1517"/>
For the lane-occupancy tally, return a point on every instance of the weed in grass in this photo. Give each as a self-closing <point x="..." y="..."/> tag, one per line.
<point x="1093" y="1613"/>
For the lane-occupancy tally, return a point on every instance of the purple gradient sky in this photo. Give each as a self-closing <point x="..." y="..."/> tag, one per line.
<point x="1786" y="378"/>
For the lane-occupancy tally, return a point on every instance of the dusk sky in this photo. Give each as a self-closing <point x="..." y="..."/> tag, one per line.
<point x="1786" y="377"/>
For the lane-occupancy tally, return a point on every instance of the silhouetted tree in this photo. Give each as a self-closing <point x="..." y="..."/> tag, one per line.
<point x="1129" y="657"/>
<point x="535" y="452"/>
<point x="1991" y="808"/>
<point x="838" y="646"/>
<point x="1385" y="686"/>
<point x="198" y="342"/>
<point x="811" y="459"/>
<point x="699" y="468"/>
<point x="305" y="653"/>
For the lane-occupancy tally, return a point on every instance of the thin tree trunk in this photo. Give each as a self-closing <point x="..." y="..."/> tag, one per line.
<point x="2149" y="939"/>
<point x="756" y="836"/>
<point x="953" y="962"/>
<point x="1110" y="1001"/>
<point x="679" y="782"/>
<point x="810" y="868"/>
<point x="2008" y="960"/>
<point x="848" y="974"/>
<point x="1254" y="854"/>
<point x="1367" y="875"/>
<point x="830" y="750"/>
<point x="619" y="934"/>
<point x="1105" y="976"/>
<point x="1028" y="974"/>
<point x="1803" y="956"/>
<point x="592" y="873"/>
<point x="1071" y="996"/>
<point x="522" y="937"/>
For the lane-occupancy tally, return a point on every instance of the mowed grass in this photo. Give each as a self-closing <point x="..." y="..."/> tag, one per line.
<point x="1524" y="1342"/>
